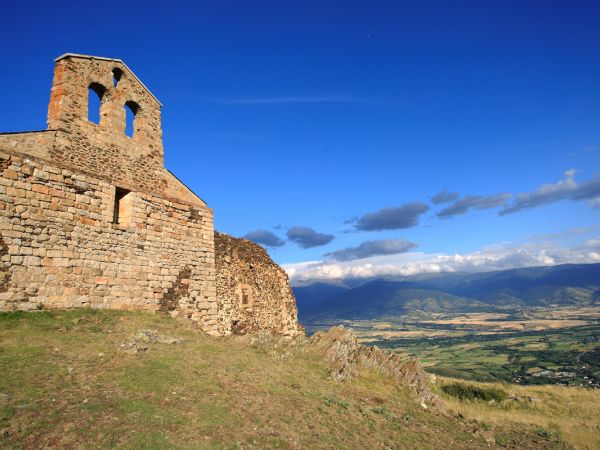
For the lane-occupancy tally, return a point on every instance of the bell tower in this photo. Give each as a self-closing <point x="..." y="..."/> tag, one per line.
<point x="78" y="78"/>
<point x="86" y="86"/>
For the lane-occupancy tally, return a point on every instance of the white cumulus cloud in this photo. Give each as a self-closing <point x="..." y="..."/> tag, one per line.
<point x="498" y="257"/>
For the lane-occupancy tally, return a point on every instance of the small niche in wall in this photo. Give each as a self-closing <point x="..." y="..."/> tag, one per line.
<point x="122" y="207"/>
<point x="245" y="295"/>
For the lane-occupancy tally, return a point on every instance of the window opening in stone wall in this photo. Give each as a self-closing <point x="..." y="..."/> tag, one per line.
<point x="131" y="109"/>
<point x="117" y="74"/>
<point x="245" y="295"/>
<point x="122" y="207"/>
<point x="95" y="94"/>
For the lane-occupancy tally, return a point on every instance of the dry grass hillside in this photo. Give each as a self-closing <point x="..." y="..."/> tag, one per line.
<point x="97" y="379"/>
<point x="570" y="412"/>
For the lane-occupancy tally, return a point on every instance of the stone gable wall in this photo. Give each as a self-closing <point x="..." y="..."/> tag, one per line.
<point x="104" y="148"/>
<point x="270" y="303"/>
<point x="60" y="249"/>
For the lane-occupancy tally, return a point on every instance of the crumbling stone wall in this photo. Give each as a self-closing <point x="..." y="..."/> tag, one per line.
<point x="268" y="302"/>
<point x="3" y="269"/>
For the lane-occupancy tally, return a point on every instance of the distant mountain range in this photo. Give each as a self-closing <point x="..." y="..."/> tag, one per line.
<point x="568" y="284"/>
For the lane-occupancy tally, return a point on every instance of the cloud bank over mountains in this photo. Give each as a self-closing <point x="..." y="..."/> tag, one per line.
<point x="396" y="256"/>
<point x="497" y="257"/>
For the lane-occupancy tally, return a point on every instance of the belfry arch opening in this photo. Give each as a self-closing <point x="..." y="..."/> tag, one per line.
<point x="131" y="112"/>
<point x="117" y="74"/>
<point x="95" y="95"/>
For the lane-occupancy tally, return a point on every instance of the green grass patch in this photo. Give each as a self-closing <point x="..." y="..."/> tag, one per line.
<point x="148" y="413"/>
<point x="465" y="391"/>
<point x="158" y="375"/>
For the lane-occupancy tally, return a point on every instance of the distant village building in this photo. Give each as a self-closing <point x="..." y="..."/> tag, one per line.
<point x="90" y="217"/>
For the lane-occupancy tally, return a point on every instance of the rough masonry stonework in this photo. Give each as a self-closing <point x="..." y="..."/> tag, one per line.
<point x="90" y="217"/>
<point x="253" y="293"/>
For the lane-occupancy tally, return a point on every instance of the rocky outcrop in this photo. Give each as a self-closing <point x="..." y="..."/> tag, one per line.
<point x="141" y="340"/>
<point x="346" y="356"/>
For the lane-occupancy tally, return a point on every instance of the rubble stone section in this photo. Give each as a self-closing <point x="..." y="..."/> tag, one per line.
<point x="253" y="293"/>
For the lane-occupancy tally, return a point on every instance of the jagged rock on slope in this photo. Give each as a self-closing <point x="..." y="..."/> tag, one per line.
<point x="341" y="348"/>
<point x="346" y="356"/>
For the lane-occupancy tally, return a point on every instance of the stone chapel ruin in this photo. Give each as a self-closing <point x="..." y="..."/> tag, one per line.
<point x="90" y="217"/>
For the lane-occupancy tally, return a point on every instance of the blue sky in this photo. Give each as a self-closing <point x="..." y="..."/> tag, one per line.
<point x="348" y="117"/>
